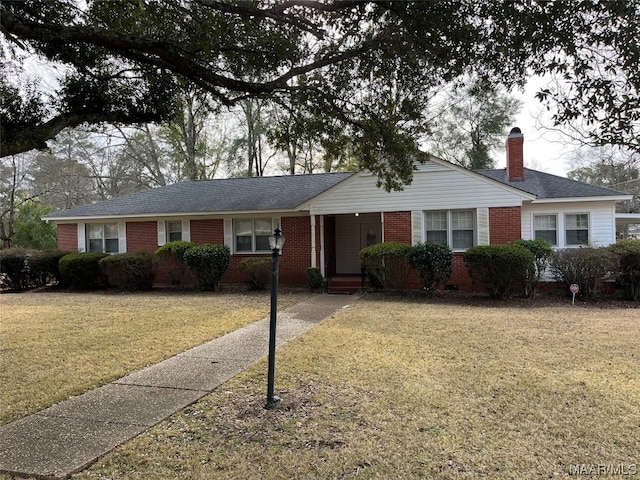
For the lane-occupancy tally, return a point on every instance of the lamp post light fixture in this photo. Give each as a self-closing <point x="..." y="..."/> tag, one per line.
<point x="276" y="241"/>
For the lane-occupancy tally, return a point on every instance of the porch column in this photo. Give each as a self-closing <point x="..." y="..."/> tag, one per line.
<point x="322" y="266"/>
<point x="313" y="241"/>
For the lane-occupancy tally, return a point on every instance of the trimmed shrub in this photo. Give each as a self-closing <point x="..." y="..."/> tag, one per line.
<point x="129" y="271"/>
<point x="314" y="279"/>
<point x="44" y="267"/>
<point x="587" y="267"/>
<point x="14" y="268"/>
<point x="387" y="264"/>
<point x="81" y="271"/>
<point x="628" y="275"/>
<point x="209" y="263"/>
<point x="503" y="269"/>
<point x="171" y="256"/>
<point x="433" y="261"/>
<point x="542" y="253"/>
<point x="257" y="270"/>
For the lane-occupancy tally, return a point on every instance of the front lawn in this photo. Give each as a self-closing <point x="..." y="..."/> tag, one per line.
<point x="55" y="344"/>
<point x="418" y="389"/>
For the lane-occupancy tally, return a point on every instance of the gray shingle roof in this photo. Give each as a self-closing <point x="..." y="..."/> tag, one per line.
<point x="544" y="185"/>
<point x="219" y="195"/>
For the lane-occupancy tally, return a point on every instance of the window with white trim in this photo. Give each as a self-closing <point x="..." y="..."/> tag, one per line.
<point x="251" y="235"/>
<point x="456" y="228"/>
<point x="576" y="226"/>
<point x="102" y="237"/>
<point x="546" y="228"/>
<point x="174" y="231"/>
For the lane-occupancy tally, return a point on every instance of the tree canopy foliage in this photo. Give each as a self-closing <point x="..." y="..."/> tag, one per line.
<point x="361" y="70"/>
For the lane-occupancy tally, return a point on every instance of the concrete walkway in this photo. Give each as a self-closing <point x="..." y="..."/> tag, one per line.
<point x="69" y="436"/>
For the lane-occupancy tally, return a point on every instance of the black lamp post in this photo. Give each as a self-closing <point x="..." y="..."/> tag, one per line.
<point x="276" y="241"/>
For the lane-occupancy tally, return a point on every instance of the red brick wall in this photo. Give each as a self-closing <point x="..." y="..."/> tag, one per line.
<point x="142" y="236"/>
<point x="459" y="275"/>
<point x="397" y="227"/>
<point x="504" y="225"/>
<point x="67" y="234"/>
<point x="515" y="160"/>
<point x="207" y="231"/>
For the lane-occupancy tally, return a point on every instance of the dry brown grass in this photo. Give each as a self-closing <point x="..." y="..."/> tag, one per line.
<point x="53" y="345"/>
<point x="408" y="389"/>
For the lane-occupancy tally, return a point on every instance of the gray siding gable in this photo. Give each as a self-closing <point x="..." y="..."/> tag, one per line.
<point x="217" y="195"/>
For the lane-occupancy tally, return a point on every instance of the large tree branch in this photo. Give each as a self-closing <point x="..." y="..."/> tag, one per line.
<point x="166" y="55"/>
<point x="22" y="138"/>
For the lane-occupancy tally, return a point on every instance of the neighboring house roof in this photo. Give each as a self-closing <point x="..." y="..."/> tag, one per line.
<point x="218" y="195"/>
<point x="547" y="186"/>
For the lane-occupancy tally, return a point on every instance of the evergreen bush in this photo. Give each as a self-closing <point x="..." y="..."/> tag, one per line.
<point x="81" y="271"/>
<point x="171" y="256"/>
<point x="542" y="253"/>
<point x="387" y="264"/>
<point x="628" y="272"/>
<point x="14" y="268"/>
<point x="433" y="261"/>
<point x="503" y="269"/>
<point x="44" y="267"/>
<point x="129" y="271"/>
<point x="209" y="263"/>
<point x="314" y="279"/>
<point x="257" y="270"/>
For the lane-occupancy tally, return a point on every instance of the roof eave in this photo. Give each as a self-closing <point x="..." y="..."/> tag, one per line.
<point x="612" y="198"/>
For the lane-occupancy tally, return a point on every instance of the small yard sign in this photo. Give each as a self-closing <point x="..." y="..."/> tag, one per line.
<point x="575" y="288"/>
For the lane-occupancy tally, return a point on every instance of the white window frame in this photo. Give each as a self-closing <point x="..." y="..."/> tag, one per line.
<point x="449" y="226"/>
<point x="557" y="227"/>
<point x="566" y="228"/>
<point x="254" y="241"/>
<point x="172" y="223"/>
<point x="103" y="238"/>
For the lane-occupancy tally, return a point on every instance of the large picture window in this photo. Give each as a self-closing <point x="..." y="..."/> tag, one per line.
<point x="577" y="228"/>
<point x="252" y="235"/>
<point x="546" y="228"/>
<point x="456" y="228"/>
<point x="102" y="237"/>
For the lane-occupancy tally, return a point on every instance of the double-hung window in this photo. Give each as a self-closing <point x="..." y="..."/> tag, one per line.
<point x="546" y="228"/>
<point x="174" y="231"/>
<point x="576" y="228"/>
<point x="252" y="235"/>
<point x="102" y="237"/>
<point x="456" y="228"/>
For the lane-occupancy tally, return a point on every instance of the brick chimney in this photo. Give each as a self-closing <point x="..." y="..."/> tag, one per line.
<point x="515" y="160"/>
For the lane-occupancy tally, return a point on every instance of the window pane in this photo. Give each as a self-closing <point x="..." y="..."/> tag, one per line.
<point x="95" y="232"/>
<point x="437" y="236"/>
<point x="436" y="220"/>
<point x="244" y="228"/>
<point x="462" y="239"/>
<point x="548" y="235"/>
<point x="262" y="243"/>
<point x="577" y="237"/>
<point x="111" y="245"/>
<point x="95" y="245"/>
<point x="462" y="219"/>
<point x="175" y="236"/>
<point x="263" y="227"/>
<point x="110" y="230"/>
<point x="577" y="221"/>
<point x="243" y="243"/>
<point x="544" y="222"/>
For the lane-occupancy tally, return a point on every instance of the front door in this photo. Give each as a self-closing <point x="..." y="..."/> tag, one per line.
<point x="353" y="233"/>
